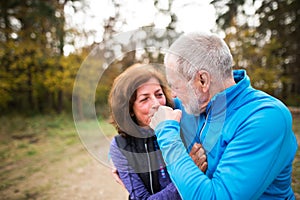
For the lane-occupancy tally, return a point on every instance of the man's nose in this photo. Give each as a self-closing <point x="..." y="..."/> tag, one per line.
<point x="173" y="93"/>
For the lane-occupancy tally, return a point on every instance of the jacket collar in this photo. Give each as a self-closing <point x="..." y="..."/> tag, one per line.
<point x="217" y="110"/>
<point x="221" y="101"/>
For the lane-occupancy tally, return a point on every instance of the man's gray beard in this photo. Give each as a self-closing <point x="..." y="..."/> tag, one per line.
<point x="193" y="107"/>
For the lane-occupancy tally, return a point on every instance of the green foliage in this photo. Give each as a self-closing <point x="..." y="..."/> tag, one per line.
<point x="269" y="48"/>
<point x="261" y="64"/>
<point x="35" y="75"/>
<point x="32" y="78"/>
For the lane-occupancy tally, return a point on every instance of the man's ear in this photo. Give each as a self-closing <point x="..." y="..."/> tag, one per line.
<point x="203" y="80"/>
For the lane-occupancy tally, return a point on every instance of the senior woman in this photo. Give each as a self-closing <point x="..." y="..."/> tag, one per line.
<point x="135" y="95"/>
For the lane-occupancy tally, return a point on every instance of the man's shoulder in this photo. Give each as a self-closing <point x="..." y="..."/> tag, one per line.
<point x="257" y="99"/>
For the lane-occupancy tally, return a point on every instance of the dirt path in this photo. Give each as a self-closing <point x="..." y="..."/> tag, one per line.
<point x="74" y="174"/>
<point x="90" y="181"/>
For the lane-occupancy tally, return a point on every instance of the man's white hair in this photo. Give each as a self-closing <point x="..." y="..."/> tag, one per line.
<point x="200" y="51"/>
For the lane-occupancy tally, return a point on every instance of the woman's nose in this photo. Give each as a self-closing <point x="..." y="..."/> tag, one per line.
<point x="155" y="103"/>
<point x="154" y="107"/>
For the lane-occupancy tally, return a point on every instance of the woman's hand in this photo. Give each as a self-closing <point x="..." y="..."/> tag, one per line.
<point x="197" y="153"/>
<point x="116" y="176"/>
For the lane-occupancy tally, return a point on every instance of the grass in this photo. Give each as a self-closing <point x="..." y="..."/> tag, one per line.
<point x="28" y="145"/>
<point x="21" y="137"/>
<point x="296" y="164"/>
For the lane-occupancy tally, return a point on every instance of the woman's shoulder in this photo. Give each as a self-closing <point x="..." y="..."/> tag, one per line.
<point x="116" y="144"/>
<point x="116" y="154"/>
<point x="120" y="141"/>
<point x="113" y="142"/>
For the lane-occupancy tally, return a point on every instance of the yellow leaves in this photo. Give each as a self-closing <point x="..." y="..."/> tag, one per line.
<point x="61" y="74"/>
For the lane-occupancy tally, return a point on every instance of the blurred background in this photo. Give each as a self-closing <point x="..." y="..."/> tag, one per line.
<point x="44" y="42"/>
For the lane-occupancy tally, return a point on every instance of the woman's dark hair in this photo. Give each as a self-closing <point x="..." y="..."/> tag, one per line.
<point x="123" y="95"/>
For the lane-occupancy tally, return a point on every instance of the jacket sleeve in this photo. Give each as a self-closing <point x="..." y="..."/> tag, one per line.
<point x="132" y="181"/>
<point x="249" y="164"/>
<point x="189" y="126"/>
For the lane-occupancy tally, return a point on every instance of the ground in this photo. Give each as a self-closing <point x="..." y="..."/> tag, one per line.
<point x="76" y="175"/>
<point x="43" y="158"/>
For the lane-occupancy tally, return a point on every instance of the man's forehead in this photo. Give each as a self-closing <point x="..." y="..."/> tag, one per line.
<point x="173" y="74"/>
<point x="177" y="81"/>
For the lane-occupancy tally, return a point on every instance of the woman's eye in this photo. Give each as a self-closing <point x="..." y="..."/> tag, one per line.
<point x="159" y="94"/>
<point x="144" y="99"/>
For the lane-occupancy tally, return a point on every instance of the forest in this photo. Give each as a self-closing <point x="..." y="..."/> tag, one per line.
<point x="37" y="76"/>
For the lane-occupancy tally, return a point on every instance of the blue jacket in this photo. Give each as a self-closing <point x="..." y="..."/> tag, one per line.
<point x="249" y="142"/>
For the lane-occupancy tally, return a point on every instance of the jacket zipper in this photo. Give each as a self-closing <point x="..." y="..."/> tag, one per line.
<point x="149" y="164"/>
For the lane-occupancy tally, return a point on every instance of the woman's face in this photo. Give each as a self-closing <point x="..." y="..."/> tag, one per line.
<point x="148" y="97"/>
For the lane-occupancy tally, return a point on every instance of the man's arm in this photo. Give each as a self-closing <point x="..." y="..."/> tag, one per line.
<point x="250" y="162"/>
<point x="197" y="153"/>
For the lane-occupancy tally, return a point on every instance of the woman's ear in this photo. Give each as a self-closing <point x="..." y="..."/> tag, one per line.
<point x="203" y="80"/>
